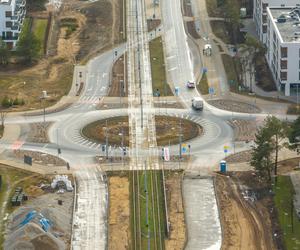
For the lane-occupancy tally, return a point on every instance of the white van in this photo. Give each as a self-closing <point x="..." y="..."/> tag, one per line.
<point x="197" y="103"/>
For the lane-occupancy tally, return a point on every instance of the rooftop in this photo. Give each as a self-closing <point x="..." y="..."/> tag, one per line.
<point x="287" y="21"/>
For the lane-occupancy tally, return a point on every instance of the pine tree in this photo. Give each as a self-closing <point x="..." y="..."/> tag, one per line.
<point x="261" y="154"/>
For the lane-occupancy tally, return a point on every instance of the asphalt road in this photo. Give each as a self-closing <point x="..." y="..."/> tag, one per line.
<point x="80" y="152"/>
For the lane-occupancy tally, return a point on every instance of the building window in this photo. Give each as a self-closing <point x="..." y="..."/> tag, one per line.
<point x="265" y="5"/>
<point x="283" y="76"/>
<point x="284" y="51"/>
<point x="283" y="64"/>
<point x="8" y="13"/>
<point x="265" y="29"/>
<point x="8" y="24"/>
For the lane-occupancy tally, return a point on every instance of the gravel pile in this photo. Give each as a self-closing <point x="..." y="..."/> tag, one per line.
<point x="40" y="158"/>
<point x="244" y="156"/>
<point x="235" y="106"/>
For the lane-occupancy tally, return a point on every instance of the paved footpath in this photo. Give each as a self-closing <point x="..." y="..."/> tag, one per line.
<point x="201" y="213"/>
<point x="295" y="177"/>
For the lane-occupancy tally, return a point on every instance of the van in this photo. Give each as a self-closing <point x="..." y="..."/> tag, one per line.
<point x="197" y="103"/>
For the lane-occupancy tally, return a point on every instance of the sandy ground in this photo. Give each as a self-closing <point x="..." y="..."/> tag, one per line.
<point x="177" y="237"/>
<point x="99" y="28"/>
<point x="119" y="223"/>
<point x="243" y="225"/>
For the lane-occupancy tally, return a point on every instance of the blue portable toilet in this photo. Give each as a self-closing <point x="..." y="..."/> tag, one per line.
<point x="223" y="166"/>
<point x="177" y="91"/>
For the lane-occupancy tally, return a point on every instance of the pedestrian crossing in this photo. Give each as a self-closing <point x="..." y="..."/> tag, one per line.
<point x="89" y="99"/>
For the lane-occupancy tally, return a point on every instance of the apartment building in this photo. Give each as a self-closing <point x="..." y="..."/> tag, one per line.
<point x="12" y="14"/>
<point x="283" y="47"/>
<point x="260" y="13"/>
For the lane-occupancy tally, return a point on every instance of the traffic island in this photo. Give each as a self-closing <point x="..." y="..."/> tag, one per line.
<point x="168" y="130"/>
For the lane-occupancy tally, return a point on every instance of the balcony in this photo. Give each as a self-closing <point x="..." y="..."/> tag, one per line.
<point x="20" y="3"/>
<point x="15" y="27"/>
<point x="9" y="38"/>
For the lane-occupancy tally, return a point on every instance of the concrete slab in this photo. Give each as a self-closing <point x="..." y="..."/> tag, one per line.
<point x="202" y="215"/>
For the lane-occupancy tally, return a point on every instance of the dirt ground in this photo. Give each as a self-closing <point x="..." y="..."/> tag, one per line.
<point x="38" y="132"/>
<point x="117" y="88"/>
<point x="53" y="73"/>
<point x="246" y="224"/>
<point x="40" y="158"/>
<point x="177" y="238"/>
<point x="119" y="214"/>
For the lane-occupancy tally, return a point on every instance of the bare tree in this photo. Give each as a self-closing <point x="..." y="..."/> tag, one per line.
<point x="2" y="117"/>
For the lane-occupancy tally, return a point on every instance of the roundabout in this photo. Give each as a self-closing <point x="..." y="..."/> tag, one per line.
<point x="169" y="130"/>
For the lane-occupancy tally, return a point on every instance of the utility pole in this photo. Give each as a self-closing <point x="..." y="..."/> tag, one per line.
<point x="297" y="98"/>
<point x="122" y="144"/>
<point x="180" y="139"/>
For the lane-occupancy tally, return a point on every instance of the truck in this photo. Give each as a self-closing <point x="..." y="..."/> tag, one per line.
<point x="197" y="103"/>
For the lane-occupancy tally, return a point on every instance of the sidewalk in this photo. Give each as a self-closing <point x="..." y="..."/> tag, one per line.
<point x="36" y="168"/>
<point x="217" y="78"/>
<point x="295" y="178"/>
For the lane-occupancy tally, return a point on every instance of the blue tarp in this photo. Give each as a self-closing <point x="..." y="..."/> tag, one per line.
<point x="30" y="216"/>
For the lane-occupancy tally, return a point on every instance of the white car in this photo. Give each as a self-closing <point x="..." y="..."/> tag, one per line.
<point x="197" y="103"/>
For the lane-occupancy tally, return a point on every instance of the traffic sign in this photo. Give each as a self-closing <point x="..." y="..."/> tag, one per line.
<point x="184" y="148"/>
<point x="226" y="148"/>
<point x="166" y="154"/>
<point x="211" y="90"/>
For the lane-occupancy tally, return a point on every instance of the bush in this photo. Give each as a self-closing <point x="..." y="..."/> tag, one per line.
<point x="6" y="102"/>
<point x="16" y="101"/>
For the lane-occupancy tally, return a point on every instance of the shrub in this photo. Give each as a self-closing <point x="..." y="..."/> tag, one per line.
<point x="6" y="102"/>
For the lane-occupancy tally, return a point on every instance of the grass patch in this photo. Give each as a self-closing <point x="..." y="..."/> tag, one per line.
<point x="150" y="181"/>
<point x="26" y="26"/>
<point x="167" y="130"/>
<point x="158" y="70"/>
<point x="9" y="176"/>
<point x="70" y="24"/>
<point x="13" y="86"/>
<point x="231" y="65"/>
<point x="289" y="222"/>
<point x="203" y="85"/>
<point x="39" y="30"/>
<point x="222" y="29"/>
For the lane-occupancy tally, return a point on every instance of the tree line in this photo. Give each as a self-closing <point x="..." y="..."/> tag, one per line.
<point x="273" y="136"/>
<point x="27" y="49"/>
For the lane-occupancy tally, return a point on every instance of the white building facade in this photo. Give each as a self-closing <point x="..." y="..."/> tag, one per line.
<point x="260" y="13"/>
<point x="12" y="14"/>
<point x="282" y="39"/>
